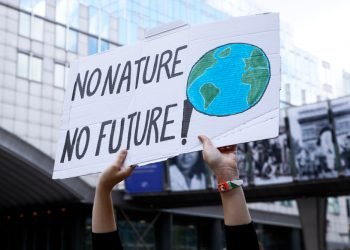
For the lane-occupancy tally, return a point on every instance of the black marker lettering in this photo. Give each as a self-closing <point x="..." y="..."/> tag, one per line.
<point x="111" y="84"/>
<point x="87" y="133"/>
<point x="153" y="123"/>
<point x="69" y="145"/>
<point x="126" y="76"/>
<point x="164" y="64"/>
<point x="154" y="68"/>
<point x="111" y="139"/>
<point x="136" y="141"/>
<point x="89" y="92"/>
<point x="81" y="86"/>
<point x="101" y="136"/>
<point x="173" y="74"/>
<point x="131" y="118"/>
<point x="138" y="63"/>
<point x="166" y="122"/>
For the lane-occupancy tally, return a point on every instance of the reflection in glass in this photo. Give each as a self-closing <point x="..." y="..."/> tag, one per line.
<point x="37" y="29"/>
<point x="123" y="31"/>
<point x="104" y="45"/>
<point x="22" y="65"/>
<point x="93" y="20"/>
<point x="36" y="69"/>
<point x="72" y="41"/>
<point x="92" y="45"/>
<point x="59" y="75"/>
<point x="67" y="12"/>
<point x="26" y="4"/>
<point x="24" y="24"/>
<point x="60" y="36"/>
<point x="104" y="24"/>
<point x="37" y="6"/>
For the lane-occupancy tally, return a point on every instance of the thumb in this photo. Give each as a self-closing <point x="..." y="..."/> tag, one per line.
<point x="206" y="141"/>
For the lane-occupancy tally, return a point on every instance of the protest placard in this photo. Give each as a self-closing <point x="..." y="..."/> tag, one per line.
<point x="156" y="96"/>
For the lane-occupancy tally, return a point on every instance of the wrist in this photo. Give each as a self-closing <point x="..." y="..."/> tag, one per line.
<point x="102" y="187"/>
<point x="227" y="175"/>
<point x="227" y="196"/>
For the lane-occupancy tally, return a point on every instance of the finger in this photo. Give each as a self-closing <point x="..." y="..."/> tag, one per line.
<point x="205" y="141"/>
<point x="127" y="171"/>
<point x="121" y="158"/>
<point x="130" y="169"/>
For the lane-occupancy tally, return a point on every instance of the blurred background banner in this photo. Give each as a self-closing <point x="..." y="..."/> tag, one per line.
<point x="187" y="172"/>
<point x="341" y="119"/>
<point x="271" y="159"/>
<point x="146" y="179"/>
<point x="312" y="141"/>
<point x="244" y="164"/>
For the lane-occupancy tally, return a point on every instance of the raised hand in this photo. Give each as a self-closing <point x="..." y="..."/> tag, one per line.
<point x="221" y="161"/>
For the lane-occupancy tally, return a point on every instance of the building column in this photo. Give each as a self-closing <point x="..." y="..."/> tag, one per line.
<point x="312" y="212"/>
<point x="163" y="231"/>
<point x="216" y="235"/>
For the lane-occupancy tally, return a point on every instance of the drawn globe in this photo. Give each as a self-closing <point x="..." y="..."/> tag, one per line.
<point x="229" y="79"/>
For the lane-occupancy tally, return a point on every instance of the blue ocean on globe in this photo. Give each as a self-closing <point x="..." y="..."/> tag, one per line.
<point x="229" y="79"/>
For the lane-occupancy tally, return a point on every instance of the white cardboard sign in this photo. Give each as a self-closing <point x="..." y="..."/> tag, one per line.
<point x="155" y="97"/>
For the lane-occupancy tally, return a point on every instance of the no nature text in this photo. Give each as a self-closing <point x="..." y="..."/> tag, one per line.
<point x="115" y="82"/>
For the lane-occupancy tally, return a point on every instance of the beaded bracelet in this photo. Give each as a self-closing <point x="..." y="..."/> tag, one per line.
<point x="229" y="185"/>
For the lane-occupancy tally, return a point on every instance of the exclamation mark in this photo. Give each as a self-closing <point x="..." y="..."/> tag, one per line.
<point x="186" y="118"/>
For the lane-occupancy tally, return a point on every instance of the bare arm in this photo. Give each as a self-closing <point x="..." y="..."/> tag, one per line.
<point x="103" y="220"/>
<point x="223" y="164"/>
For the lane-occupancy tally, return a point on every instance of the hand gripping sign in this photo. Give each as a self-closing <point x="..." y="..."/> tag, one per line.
<point x="155" y="97"/>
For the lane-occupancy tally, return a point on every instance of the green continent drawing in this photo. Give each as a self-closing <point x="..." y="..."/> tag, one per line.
<point x="228" y="79"/>
<point x="256" y="74"/>
<point x="226" y="52"/>
<point x="207" y="61"/>
<point x="209" y="91"/>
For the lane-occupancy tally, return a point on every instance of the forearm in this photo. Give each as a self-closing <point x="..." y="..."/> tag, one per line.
<point x="233" y="202"/>
<point x="103" y="219"/>
<point x="235" y="208"/>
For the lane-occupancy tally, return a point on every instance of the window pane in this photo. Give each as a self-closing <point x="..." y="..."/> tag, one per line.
<point x="37" y="29"/>
<point x="67" y="12"/>
<point x="93" y="20"/>
<point x="74" y="14"/>
<point x="123" y="31"/>
<point x="104" y="45"/>
<point x="92" y="45"/>
<point x="60" y="36"/>
<point x="26" y="4"/>
<point x="133" y="32"/>
<point x="38" y="7"/>
<point x="24" y="24"/>
<point x="35" y="69"/>
<point x="61" y="10"/>
<point x="22" y="65"/>
<point x="59" y="75"/>
<point x="72" y="41"/>
<point x="104" y="24"/>
<point x="333" y="205"/>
